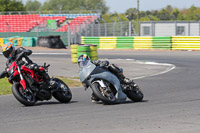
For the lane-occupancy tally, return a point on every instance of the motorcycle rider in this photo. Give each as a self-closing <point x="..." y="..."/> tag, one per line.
<point x="21" y="55"/>
<point x="112" y="68"/>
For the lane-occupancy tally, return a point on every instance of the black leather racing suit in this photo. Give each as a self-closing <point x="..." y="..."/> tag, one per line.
<point x="114" y="69"/>
<point x="21" y="54"/>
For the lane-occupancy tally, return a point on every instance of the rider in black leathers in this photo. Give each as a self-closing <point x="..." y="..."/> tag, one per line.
<point x="114" y="69"/>
<point x="21" y="55"/>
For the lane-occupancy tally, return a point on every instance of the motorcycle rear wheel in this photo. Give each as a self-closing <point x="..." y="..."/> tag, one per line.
<point x="25" y="98"/>
<point x="63" y="94"/>
<point x="106" y="97"/>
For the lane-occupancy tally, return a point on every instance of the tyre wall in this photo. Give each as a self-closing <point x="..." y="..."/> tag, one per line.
<point x="79" y="49"/>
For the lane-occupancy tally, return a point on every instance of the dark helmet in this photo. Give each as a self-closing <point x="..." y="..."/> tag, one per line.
<point x="8" y="50"/>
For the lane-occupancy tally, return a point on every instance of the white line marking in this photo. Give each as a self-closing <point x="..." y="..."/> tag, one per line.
<point x="172" y="66"/>
<point x="51" y="53"/>
<point x="47" y="53"/>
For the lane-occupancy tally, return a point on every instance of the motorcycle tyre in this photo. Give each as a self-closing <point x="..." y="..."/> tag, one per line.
<point x="98" y="94"/>
<point x="58" y="95"/>
<point x="19" y="97"/>
<point x="136" y="97"/>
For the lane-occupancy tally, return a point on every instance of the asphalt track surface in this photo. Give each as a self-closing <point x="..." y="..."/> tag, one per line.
<point x="171" y="103"/>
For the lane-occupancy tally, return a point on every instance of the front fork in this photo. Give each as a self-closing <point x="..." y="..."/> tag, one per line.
<point x="22" y="80"/>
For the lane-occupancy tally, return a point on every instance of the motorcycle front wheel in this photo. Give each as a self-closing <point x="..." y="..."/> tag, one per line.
<point x="25" y="97"/>
<point x="135" y="94"/>
<point x="63" y="93"/>
<point x="105" y="94"/>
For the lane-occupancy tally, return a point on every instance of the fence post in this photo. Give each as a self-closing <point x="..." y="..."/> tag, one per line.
<point x="129" y="28"/>
<point x="99" y="27"/>
<point x="175" y="27"/>
<point x="7" y="29"/>
<point x="175" y="23"/>
<point x="105" y="26"/>
<point x="188" y="28"/>
<point x="79" y="31"/>
<point x="85" y="28"/>
<point x="121" y="26"/>
<point x="199" y="27"/>
<point x="91" y="23"/>
<point x="74" y="34"/>
<point x="113" y="26"/>
<point x="152" y="26"/>
<point x="198" y="21"/>
<point x="69" y="34"/>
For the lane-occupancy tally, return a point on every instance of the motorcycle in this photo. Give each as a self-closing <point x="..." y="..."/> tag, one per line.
<point x="106" y="86"/>
<point x="28" y="86"/>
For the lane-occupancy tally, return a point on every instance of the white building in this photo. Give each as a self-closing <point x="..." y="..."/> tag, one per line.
<point x="170" y="28"/>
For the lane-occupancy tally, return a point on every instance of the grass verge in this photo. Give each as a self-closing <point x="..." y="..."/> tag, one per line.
<point x="5" y="86"/>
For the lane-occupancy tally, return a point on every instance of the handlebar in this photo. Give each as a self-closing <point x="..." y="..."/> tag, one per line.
<point x="46" y="66"/>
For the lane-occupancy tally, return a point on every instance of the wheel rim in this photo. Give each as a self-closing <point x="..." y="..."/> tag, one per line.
<point x="106" y="92"/>
<point x="64" y="89"/>
<point x="29" y="96"/>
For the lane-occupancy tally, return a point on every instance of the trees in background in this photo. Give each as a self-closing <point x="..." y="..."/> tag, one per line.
<point x="66" y="5"/>
<point x="32" y="5"/>
<point x="11" y="5"/>
<point x="167" y="13"/>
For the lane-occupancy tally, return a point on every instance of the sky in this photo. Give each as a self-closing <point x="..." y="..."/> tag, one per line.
<point x="120" y="6"/>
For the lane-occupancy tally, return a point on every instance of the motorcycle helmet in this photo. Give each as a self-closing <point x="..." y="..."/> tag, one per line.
<point x="8" y="50"/>
<point x="82" y="59"/>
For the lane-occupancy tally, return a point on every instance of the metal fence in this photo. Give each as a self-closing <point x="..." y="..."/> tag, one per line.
<point x="96" y="29"/>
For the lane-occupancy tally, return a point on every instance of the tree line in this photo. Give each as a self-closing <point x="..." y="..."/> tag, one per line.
<point x="166" y="13"/>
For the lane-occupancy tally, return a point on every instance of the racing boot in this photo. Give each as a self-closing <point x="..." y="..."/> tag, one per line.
<point x="50" y="82"/>
<point x="127" y="81"/>
<point x="124" y="79"/>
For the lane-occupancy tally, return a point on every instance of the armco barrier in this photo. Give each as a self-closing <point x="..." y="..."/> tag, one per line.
<point x="126" y="42"/>
<point x="90" y="40"/>
<point x="161" y="43"/>
<point x="107" y="42"/>
<point x="185" y="42"/>
<point x="142" y="43"/>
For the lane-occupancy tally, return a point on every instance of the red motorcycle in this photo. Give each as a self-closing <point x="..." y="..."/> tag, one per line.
<point x="28" y="86"/>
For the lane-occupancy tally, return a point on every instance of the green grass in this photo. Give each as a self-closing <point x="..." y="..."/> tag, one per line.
<point x="5" y="86"/>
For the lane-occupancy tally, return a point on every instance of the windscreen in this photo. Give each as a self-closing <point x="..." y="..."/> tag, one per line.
<point x="83" y="63"/>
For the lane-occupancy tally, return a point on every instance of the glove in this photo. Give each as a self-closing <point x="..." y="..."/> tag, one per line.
<point x="97" y="62"/>
<point x="105" y="63"/>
